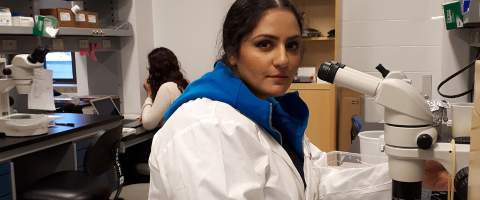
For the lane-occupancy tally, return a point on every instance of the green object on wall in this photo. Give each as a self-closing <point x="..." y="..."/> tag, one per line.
<point x="453" y="15"/>
<point x="42" y="23"/>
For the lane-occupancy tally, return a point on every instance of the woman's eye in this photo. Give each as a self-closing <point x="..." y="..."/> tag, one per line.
<point x="292" y="45"/>
<point x="263" y="44"/>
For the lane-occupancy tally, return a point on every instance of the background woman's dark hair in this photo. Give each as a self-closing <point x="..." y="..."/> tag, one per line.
<point x="242" y="17"/>
<point x="164" y="67"/>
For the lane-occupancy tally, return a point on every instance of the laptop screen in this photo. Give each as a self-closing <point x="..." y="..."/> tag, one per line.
<point x="105" y="107"/>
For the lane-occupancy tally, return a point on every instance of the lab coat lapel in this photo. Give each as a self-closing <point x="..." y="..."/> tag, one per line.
<point x="278" y="149"/>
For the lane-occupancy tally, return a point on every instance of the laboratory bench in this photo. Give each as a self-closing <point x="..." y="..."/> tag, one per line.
<point x="24" y="160"/>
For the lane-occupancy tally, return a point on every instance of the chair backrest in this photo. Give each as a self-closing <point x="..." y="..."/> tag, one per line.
<point x="100" y="154"/>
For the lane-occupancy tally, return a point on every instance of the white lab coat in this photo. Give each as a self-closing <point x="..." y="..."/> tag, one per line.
<point x="209" y="150"/>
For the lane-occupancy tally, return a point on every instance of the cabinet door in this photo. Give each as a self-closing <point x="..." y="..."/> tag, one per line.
<point x="322" y="105"/>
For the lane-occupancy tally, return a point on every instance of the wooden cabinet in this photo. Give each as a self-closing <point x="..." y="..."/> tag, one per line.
<point x="321" y="15"/>
<point x="321" y="100"/>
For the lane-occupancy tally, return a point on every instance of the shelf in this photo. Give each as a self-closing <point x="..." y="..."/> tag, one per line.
<point x="64" y="31"/>
<point x="89" y="32"/>
<point x="318" y="38"/>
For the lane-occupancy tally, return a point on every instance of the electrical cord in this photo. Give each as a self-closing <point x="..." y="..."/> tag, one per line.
<point x="453" y="76"/>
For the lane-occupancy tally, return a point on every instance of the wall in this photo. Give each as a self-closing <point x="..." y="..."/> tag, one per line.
<point x="190" y="29"/>
<point x="402" y="36"/>
<point x="82" y="74"/>
<point x="134" y="51"/>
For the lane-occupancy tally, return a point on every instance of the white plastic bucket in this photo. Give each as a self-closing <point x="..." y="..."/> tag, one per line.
<point x="461" y="119"/>
<point x="369" y="142"/>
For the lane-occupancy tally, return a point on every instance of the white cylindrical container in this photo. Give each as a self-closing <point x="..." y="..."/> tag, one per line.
<point x="369" y="142"/>
<point x="461" y="119"/>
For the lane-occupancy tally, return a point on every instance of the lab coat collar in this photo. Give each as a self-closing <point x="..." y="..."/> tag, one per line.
<point x="286" y="114"/>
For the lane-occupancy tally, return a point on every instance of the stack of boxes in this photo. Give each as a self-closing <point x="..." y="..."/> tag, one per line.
<point x="66" y="18"/>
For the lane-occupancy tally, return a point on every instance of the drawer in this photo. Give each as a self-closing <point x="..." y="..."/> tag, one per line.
<point x="4" y="168"/>
<point x="8" y="197"/>
<point x="83" y="144"/>
<point x="80" y="157"/>
<point x="6" y="183"/>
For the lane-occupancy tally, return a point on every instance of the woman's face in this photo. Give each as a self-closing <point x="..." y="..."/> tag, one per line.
<point x="270" y="55"/>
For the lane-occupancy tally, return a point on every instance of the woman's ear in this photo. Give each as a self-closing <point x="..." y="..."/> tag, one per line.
<point x="233" y="60"/>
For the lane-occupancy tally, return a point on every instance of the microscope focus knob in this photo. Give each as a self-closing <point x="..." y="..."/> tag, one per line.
<point x="424" y="141"/>
<point x="7" y="71"/>
<point x="461" y="183"/>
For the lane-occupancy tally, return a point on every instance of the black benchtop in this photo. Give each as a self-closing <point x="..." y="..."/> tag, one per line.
<point x="81" y="121"/>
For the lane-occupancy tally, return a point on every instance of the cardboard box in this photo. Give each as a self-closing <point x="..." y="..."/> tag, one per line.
<point x="93" y="20"/>
<point x="81" y="19"/>
<point x="65" y="17"/>
<point x="350" y="103"/>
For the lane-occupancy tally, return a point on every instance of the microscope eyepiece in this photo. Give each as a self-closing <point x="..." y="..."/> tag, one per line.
<point x="327" y="71"/>
<point x="44" y="53"/>
<point x="38" y="55"/>
<point x="382" y="70"/>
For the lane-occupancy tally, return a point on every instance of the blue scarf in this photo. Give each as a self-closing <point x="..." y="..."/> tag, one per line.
<point x="287" y="114"/>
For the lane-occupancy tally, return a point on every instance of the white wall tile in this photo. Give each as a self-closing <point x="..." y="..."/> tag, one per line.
<point x="355" y="10"/>
<point x="434" y="59"/>
<point x="356" y="34"/>
<point x="428" y="32"/>
<point x="387" y="56"/>
<point x="412" y="59"/>
<point x="435" y="8"/>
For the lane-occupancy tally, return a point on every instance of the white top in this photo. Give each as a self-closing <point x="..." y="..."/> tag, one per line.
<point x="209" y="150"/>
<point x="152" y="112"/>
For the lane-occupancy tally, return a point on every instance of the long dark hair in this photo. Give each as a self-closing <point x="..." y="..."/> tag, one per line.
<point x="242" y="17"/>
<point x="164" y="67"/>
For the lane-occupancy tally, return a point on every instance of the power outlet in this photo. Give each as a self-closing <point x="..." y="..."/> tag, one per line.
<point x="57" y="44"/>
<point x="106" y="44"/>
<point x="9" y="45"/>
<point x="83" y="44"/>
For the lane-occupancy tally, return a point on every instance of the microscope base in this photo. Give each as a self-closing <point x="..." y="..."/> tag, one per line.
<point x="23" y="125"/>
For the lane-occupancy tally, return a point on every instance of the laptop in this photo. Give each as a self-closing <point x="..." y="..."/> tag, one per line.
<point x="105" y="106"/>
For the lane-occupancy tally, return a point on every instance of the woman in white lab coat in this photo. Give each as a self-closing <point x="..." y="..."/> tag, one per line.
<point x="235" y="134"/>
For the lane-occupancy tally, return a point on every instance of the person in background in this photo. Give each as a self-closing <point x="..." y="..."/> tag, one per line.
<point x="165" y="83"/>
<point x="235" y="134"/>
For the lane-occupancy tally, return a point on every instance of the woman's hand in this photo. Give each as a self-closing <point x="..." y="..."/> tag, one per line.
<point x="140" y="119"/>
<point x="436" y="176"/>
<point x="148" y="88"/>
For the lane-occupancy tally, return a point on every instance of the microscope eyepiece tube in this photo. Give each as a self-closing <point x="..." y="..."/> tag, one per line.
<point x="35" y="55"/>
<point x="350" y="78"/>
<point x="327" y="72"/>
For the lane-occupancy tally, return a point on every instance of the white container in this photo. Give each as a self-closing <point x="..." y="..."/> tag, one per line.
<point x="343" y="160"/>
<point x="369" y="142"/>
<point x="461" y="119"/>
<point x="22" y="21"/>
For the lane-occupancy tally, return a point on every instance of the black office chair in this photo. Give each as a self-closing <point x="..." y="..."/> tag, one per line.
<point x="100" y="156"/>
